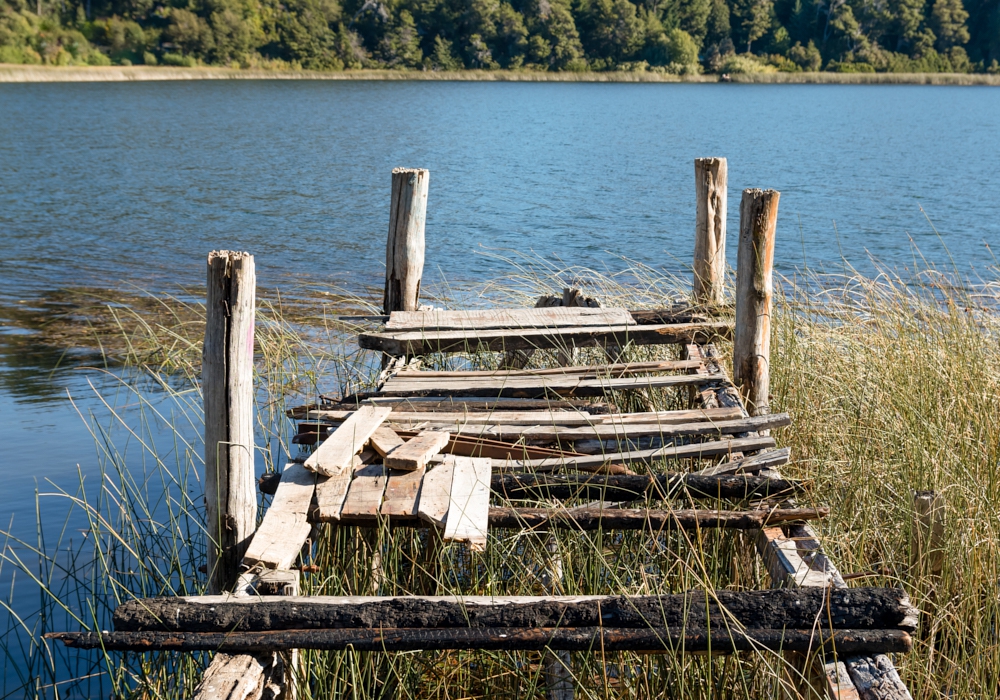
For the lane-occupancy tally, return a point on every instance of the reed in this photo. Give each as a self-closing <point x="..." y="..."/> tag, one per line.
<point x="893" y="386"/>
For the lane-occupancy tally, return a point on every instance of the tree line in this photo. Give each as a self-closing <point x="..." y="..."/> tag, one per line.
<point x="675" y="36"/>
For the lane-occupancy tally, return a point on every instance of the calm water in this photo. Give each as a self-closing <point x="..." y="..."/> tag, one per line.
<point x="119" y="184"/>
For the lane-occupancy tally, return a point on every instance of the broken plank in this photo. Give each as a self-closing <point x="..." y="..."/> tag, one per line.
<point x="490" y="319"/>
<point x="429" y="342"/>
<point x="364" y="497"/>
<point x="760" y="462"/>
<point x="285" y="527"/>
<point x="402" y="492"/>
<point x="384" y="440"/>
<point x="469" y="502"/>
<point x="435" y="493"/>
<point x="336" y="454"/>
<point x="414" y="453"/>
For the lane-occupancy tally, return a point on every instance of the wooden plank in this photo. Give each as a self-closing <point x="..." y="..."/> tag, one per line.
<point x="429" y="342"/>
<point x="469" y="502"/>
<point x="856" y="608"/>
<point x="331" y="491"/>
<point x="414" y="453"/>
<point x="492" y="319"/>
<point x="364" y="497"/>
<point x="765" y="460"/>
<point x="467" y="446"/>
<point x="696" y="450"/>
<point x="384" y="440"/>
<point x="402" y="492"/>
<point x="535" y="387"/>
<point x="586" y="639"/>
<point x="625" y="431"/>
<point x="285" y="527"/>
<point x="609" y="370"/>
<point x="435" y="493"/>
<point x="239" y="676"/>
<point x="567" y="418"/>
<point x="588" y="518"/>
<point x="619" y="488"/>
<point x="336" y="454"/>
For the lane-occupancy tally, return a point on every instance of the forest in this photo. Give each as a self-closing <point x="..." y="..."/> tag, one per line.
<point x="672" y="36"/>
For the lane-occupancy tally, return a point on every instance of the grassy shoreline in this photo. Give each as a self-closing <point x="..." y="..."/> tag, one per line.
<point x="14" y="73"/>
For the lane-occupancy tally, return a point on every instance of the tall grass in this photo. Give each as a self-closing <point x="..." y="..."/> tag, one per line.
<point x="893" y="387"/>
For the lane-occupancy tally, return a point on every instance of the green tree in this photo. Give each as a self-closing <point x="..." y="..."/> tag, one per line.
<point x="692" y="17"/>
<point x="754" y="17"/>
<point x="807" y="57"/>
<point x="400" y="47"/>
<point x="611" y="30"/>
<point x="190" y="33"/>
<point x="443" y="58"/>
<point x="948" y="18"/>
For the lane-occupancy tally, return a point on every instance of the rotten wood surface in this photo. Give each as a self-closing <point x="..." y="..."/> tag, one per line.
<point x="428" y="342"/>
<point x="856" y="608"/>
<point x="595" y="639"/>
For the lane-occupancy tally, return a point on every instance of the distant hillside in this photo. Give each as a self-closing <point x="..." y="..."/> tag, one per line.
<point x="672" y="36"/>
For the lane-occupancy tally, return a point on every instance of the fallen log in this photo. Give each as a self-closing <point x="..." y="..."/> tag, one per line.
<point x="858" y="608"/>
<point x="603" y="639"/>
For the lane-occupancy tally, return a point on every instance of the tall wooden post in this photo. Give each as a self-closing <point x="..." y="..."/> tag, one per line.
<point x="710" y="180"/>
<point x="404" y="254"/>
<point x="227" y="387"/>
<point x="754" y="288"/>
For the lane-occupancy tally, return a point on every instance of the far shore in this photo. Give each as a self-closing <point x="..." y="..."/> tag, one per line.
<point x="13" y="73"/>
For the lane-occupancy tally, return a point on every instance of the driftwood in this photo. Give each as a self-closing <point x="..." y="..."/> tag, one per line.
<point x="857" y="608"/>
<point x="601" y="639"/>
<point x="710" y="175"/>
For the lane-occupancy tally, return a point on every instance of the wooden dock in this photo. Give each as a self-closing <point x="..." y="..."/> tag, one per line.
<point x="473" y="451"/>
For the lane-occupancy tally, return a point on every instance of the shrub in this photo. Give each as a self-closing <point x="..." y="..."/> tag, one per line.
<point x="745" y="63"/>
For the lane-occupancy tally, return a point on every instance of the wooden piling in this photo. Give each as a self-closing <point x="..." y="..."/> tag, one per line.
<point x="227" y="386"/>
<point x="754" y="289"/>
<point x="404" y="255"/>
<point x="710" y="179"/>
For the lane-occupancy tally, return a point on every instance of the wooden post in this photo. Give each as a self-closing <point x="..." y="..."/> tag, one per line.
<point x="754" y="262"/>
<point x="927" y="554"/>
<point x="710" y="179"/>
<point x="404" y="254"/>
<point x="227" y="387"/>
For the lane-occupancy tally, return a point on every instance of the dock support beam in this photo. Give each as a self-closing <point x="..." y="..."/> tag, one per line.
<point x="404" y="254"/>
<point x="710" y="180"/>
<point x="227" y="388"/>
<point x="754" y="289"/>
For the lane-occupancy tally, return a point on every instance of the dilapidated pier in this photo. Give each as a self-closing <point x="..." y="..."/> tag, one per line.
<point x="524" y="446"/>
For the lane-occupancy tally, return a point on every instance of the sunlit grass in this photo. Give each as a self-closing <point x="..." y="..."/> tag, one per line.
<point x="893" y="387"/>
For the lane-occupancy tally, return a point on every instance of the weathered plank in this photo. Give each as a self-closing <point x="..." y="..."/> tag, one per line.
<point x="435" y="493"/>
<point x="468" y="446"/>
<point x="608" y="370"/>
<point x="535" y="387"/>
<point x="645" y="519"/>
<point x="285" y="527"/>
<point x="469" y="502"/>
<point x="554" y="417"/>
<point x="602" y="639"/>
<point x="332" y="490"/>
<point x="696" y="451"/>
<point x="414" y="453"/>
<point x="239" y="676"/>
<point x="618" y="488"/>
<point x="402" y="492"/>
<point x="493" y="319"/>
<point x="746" y="465"/>
<point x="384" y="440"/>
<point x="625" y="431"/>
<point x="808" y="608"/>
<point x="428" y="342"/>
<point x="336" y="454"/>
<point x="364" y="497"/>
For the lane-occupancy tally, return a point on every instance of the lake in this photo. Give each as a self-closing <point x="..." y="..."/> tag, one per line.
<point x="130" y="185"/>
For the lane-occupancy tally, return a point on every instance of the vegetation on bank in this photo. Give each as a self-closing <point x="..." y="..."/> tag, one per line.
<point x="893" y="387"/>
<point x="667" y="36"/>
